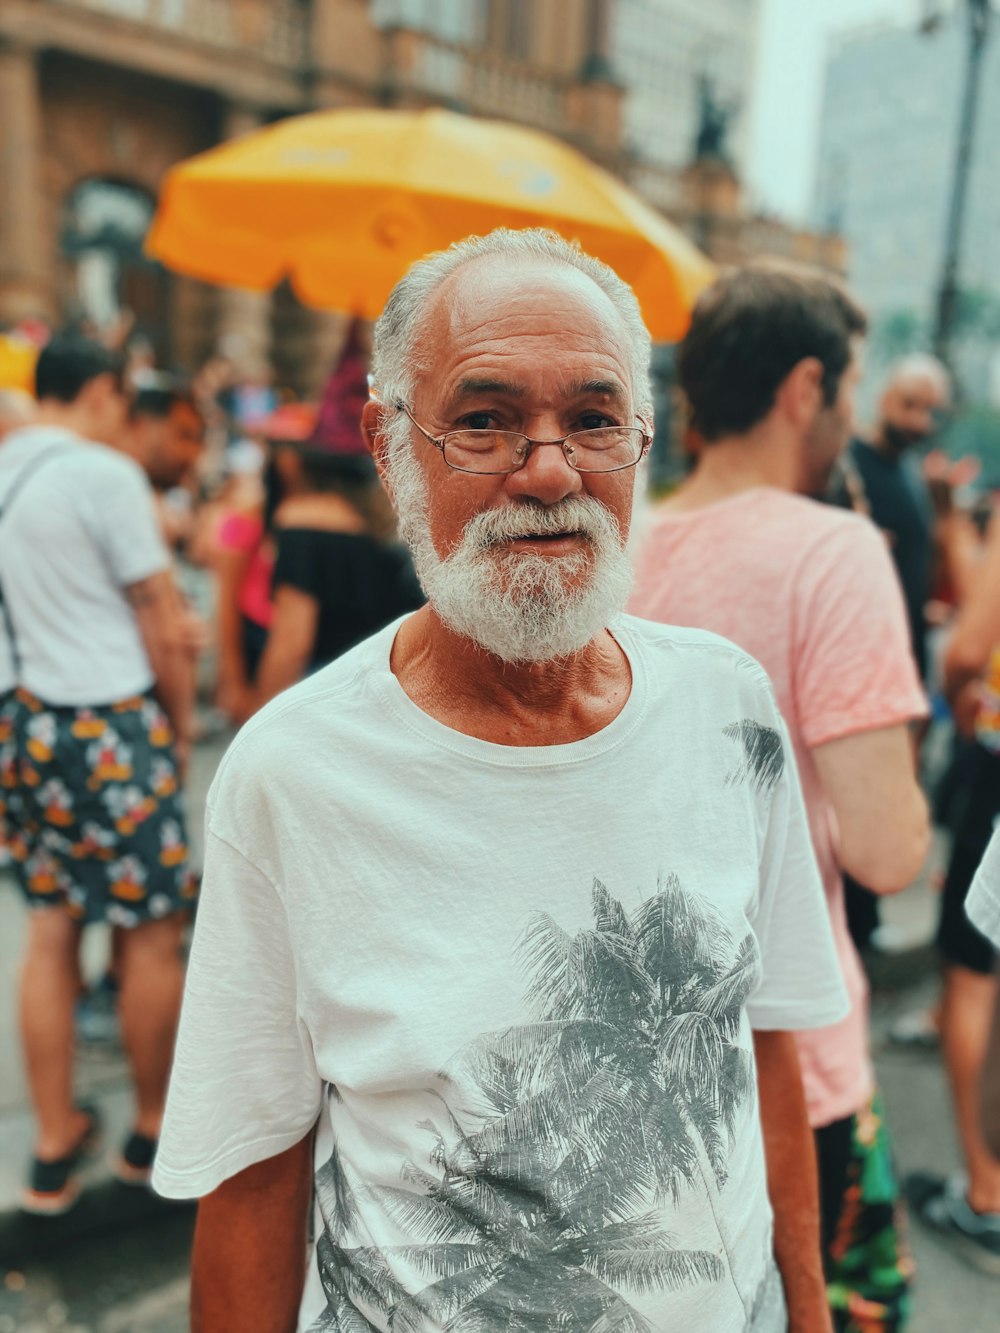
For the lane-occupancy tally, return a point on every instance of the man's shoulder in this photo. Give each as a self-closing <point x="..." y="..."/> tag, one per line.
<point x="293" y="725"/>
<point x="77" y="465"/>
<point x="809" y="526"/>
<point x="700" y="651"/>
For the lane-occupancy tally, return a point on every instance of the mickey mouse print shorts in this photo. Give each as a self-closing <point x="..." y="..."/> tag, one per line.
<point x="94" y="810"/>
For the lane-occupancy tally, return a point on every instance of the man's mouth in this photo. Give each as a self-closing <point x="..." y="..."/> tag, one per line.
<point x="548" y="536"/>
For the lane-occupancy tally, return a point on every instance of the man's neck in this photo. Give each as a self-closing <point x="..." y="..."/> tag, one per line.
<point x="59" y="416"/>
<point x="537" y="703"/>
<point x="735" y="464"/>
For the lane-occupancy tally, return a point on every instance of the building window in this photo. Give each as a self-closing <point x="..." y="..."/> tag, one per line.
<point x="104" y="227"/>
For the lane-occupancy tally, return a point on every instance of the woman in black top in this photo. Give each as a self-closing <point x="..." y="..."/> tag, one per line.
<point x="338" y="575"/>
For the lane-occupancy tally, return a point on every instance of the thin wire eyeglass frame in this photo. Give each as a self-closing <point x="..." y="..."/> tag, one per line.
<point x="440" y="443"/>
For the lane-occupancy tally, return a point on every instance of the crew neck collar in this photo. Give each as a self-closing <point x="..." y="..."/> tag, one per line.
<point x="397" y="701"/>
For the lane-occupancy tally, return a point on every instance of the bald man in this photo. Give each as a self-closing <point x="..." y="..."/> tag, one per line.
<point x="916" y="394"/>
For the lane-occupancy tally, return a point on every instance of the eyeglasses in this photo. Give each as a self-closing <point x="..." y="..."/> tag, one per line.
<point x="494" y="452"/>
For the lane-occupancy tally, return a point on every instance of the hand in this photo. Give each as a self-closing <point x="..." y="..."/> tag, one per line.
<point x="965" y="708"/>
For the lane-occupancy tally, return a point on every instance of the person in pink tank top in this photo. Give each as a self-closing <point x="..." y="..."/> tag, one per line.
<point x="768" y="368"/>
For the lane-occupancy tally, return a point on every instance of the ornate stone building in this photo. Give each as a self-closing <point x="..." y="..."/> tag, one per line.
<point x="99" y="97"/>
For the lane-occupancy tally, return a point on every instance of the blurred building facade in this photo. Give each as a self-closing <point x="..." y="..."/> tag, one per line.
<point x="98" y="98"/>
<point x="661" y="50"/>
<point x="886" y="161"/>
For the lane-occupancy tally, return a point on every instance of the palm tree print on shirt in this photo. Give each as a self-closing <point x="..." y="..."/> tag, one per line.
<point x="541" y="1202"/>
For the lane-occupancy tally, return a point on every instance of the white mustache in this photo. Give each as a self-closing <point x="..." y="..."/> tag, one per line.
<point x="576" y="514"/>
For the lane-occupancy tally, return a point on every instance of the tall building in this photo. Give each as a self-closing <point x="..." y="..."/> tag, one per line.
<point x="888" y="139"/>
<point x="662" y="50"/>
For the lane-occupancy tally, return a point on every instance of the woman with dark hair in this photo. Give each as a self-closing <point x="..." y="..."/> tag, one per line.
<point x="339" y="574"/>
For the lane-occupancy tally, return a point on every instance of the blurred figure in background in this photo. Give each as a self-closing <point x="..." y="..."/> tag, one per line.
<point x="17" y="409"/>
<point x="881" y="477"/>
<point x="100" y="731"/>
<point x="338" y="574"/>
<point x="768" y="368"/>
<point x="916" y="395"/>
<point x="166" y="432"/>
<point x="967" y="1209"/>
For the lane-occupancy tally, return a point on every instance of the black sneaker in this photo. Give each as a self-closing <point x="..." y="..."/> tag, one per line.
<point x="53" y="1187"/>
<point x="135" y="1165"/>
<point x="940" y="1203"/>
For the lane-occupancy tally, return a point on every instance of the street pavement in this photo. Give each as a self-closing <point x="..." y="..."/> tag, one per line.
<point x="120" y="1264"/>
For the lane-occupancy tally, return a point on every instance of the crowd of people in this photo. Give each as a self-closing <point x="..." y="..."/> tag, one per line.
<point x="527" y="957"/>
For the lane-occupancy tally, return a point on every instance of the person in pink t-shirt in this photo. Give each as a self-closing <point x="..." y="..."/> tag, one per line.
<point x="768" y="368"/>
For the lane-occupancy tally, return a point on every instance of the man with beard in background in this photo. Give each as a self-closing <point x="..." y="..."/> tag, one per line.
<point x="917" y="391"/>
<point x="507" y="912"/>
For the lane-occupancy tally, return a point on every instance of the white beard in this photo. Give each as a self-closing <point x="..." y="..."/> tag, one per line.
<point x="520" y="607"/>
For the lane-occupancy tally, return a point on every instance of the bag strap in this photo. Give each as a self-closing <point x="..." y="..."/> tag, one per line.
<point x="29" y="469"/>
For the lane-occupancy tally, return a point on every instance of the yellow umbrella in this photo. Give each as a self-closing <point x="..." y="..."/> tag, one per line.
<point x="342" y="202"/>
<point x="17" y="363"/>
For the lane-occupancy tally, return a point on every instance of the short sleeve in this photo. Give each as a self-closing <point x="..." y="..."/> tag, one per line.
<point x="126" y="525"/>
<point x="801" y="983"/>
<point x="983" y="902"/>
<point x="244" y="1085"/>
<point x="852" y="660"/>
<point x="299" y="561"/>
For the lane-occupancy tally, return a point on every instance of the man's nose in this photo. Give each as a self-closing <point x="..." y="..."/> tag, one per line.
<point x="546" y="476"/>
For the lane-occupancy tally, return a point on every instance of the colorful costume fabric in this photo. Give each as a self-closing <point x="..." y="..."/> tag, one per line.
<point x="96" y="815"/>
<point x="869" y="1269"/>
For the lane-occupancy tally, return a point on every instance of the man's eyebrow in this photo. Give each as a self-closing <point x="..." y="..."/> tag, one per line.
<point x="470" y="388"/>
<point x="609" y="388"/>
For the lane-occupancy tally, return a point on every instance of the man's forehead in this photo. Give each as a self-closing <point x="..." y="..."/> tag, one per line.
<point x="486" y="310"/>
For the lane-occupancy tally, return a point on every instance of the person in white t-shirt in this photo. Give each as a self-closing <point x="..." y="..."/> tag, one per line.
<point x="92" y="754"/>
<point x="508" y="912"/>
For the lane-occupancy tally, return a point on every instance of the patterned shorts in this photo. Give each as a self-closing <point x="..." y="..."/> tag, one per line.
<point x="869" y="1270"/>
<point x="93" y="807"/>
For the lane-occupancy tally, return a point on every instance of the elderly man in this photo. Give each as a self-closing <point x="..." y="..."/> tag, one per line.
<point x="507" y="912"/>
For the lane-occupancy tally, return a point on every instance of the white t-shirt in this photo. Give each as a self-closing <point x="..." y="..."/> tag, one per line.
<point x="79" y="532"/>
<point x="516" y="987"/>
<point x="983" y="903"/>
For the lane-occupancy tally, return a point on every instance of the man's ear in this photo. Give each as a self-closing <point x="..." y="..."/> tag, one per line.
<point x="800" y="393"/>
<point x="373" y="428"/>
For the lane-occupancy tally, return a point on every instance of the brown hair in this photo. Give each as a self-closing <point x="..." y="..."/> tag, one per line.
<point x="748" y="332"/>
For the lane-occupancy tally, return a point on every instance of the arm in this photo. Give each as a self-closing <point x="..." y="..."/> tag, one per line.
<point x="249" y="1259"/>
<point x="160" y="615"/>
<point x="990" y="1089"/>
<point x="232" y="683"/>
<point x="977" y="629"/>
<point x="792" y="1182"/>
<point x="870" y="780"/>
<point x="289" y="643"/>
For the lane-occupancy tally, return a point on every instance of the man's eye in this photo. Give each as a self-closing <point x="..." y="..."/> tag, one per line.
<point x="593" y="421"/>
<point x="478" y="421"/>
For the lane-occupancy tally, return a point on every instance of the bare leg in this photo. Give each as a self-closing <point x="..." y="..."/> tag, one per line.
<point x="152" y="981"/>
<point x="49" y="986"/>
<point x="966" y="1016"/>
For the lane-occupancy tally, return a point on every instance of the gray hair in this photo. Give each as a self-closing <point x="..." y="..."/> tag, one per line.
<point x="920" y="366"/>
<point x="395" y="358"/>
